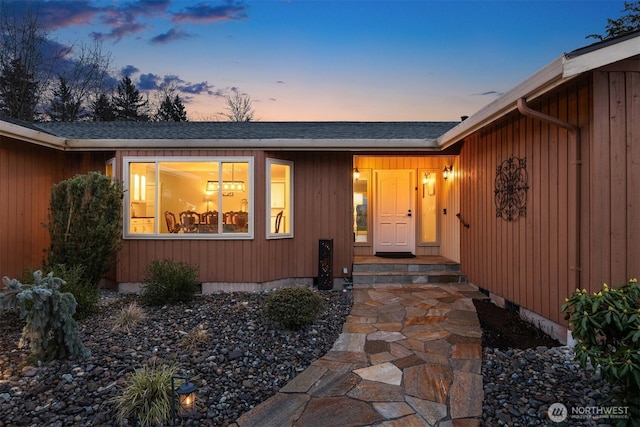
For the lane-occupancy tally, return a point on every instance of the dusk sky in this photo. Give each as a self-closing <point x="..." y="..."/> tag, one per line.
<point x="332" y="60"/>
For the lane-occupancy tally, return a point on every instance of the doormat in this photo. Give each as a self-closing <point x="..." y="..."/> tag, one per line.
<point x="395" y="255"/>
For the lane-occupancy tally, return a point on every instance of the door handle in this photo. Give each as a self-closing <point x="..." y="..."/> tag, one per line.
<point x="409" y="213"/>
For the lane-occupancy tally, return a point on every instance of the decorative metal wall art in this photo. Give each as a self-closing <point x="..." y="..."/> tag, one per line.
<point x="511" y="187"/>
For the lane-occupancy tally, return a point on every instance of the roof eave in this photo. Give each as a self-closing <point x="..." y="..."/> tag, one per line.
<point x="539" y="83"/>
<point x="575" y="65"/>
<point x="257" y="144"/>
<point x="561" y="70"/>
<point x="22" y="133"/>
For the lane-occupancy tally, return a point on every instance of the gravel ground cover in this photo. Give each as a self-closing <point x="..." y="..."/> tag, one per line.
<point x="245" y="361"/>
<point x="524" y="372"/>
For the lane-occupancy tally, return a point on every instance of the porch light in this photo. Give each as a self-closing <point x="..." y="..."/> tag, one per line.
<point x="447" y="170"/>
<point x="356" y="174"/>
<point x="186" y="395"/>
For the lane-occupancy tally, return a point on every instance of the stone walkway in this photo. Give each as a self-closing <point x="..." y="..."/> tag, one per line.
<point x="409" y="355"/>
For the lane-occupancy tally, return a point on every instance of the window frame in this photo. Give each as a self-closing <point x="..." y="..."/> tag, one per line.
<point x="284" y="235"/>
<point x="436" y="189"/>
<point x="126" y="179"/>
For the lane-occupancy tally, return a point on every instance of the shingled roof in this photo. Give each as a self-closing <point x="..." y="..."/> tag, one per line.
<point x="247" y="131"/>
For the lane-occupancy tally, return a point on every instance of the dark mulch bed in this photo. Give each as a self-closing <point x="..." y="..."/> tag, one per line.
<point x="504" y="329"/>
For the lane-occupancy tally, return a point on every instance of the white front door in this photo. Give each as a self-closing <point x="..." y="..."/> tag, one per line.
<point x="394" y="224"/>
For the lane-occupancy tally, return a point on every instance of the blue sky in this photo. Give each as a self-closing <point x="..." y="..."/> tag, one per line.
<point x="332" y="60"/>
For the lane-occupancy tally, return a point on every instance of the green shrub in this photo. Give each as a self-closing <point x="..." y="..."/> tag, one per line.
<point x="85" y="224"/>
<point x="169" y="282"/>
<point x="147" y="396"/>
<point x="87" y="295"/>
<point x="293" y="308"/>
<point x="606" y="326"/>
<point x="50" y="330"/>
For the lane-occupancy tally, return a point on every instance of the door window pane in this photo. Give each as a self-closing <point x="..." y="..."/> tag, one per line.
<point x="361" y="206"/>
<point x="428" y="206"/>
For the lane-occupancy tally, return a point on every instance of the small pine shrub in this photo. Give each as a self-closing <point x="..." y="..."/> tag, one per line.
<point x="293" y="308"/>
<point x="50" y="330"/>
<point x="147" y="396"/>
<point x="169" y="282"/>
<point x="87" y="296"/>
<point x="128" y="317"/>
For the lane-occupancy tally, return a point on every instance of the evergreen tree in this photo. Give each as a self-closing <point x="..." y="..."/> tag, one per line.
<point x="18" y="91"/>
<point x="63" y="108"/>
<point x="171" y="110"/>
<point x="626" y="24"/>
<point x="103" y="109"/>
<point x="129" y="105"/>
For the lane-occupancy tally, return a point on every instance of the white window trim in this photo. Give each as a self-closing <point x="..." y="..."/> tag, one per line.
<point x="269" y="234"/>
<point x="127" y="160"/>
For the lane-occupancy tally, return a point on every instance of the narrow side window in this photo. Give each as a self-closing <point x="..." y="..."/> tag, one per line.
<point x="279" y="198"/>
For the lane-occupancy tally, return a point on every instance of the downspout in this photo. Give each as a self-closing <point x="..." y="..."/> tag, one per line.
<point x="574" y="131"/>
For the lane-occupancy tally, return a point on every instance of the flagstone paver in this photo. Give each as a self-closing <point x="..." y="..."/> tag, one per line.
<point x="408" y="355"/>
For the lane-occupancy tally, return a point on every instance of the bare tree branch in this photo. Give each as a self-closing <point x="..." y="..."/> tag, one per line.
<point x="239" y="108"/>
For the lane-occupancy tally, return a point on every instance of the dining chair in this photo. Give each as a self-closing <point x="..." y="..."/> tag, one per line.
<point x="189" y="221"/>
<point x="209" y="222"/>
<point x="279" y="221"/>
<point x="172" y="225"/>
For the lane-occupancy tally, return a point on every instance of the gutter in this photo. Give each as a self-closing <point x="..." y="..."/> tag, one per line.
<point x="574" y="181"/>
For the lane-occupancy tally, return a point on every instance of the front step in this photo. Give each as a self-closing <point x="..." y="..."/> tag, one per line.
<point x="407" y="273"/>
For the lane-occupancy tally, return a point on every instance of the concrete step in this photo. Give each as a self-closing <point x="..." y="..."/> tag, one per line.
<point x="405" y="267"/>
<point x="407" y="273"/>
<point x="407" y="277"/>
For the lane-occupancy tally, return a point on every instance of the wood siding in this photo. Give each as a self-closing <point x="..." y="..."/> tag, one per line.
<point x="531" y="261"/>
<point x="614" y="199"/>
<point x="526" y="261"/>
<point x="322" y="210"/>
<point x="27" y="173"/>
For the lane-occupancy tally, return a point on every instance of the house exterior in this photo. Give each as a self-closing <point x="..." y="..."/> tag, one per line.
<point x="560" y="154"/>
<point x="533" y="194"/>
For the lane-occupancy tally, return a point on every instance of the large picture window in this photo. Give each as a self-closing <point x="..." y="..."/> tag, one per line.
<point x="189" y="197"/>
<point x="279" y="198"/>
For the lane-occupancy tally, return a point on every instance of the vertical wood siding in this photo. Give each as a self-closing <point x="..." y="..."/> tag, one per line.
<point x="27" y="173"/>
<point x="322" y="209"/>
<point x="614" y="198"/>
<point x="526" y="261"/>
